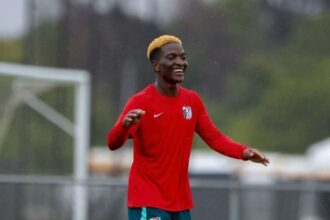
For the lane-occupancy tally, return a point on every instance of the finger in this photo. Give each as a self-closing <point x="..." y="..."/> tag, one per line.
<point x="127" y="121"/>
<point x="132" y="115"/>
<point x="256" y="152"/>
<point x="136" y="113"/>
<point x="260" y="155"/>
<point x="265" y="161"/>
<point x="257" y="157"/>
<point x="141" y="113"/>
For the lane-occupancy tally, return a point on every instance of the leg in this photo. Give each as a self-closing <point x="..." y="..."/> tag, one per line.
<point x="136" y="214"/>
<point x="182" y="215"/>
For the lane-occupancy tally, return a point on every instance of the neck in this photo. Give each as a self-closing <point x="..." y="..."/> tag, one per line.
<point x="166" y="88"/>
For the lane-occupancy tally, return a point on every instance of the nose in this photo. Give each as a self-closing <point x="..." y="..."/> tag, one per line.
<point x="181" y="62"/>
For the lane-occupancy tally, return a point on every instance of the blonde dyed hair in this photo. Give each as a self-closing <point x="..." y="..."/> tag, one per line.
<point x="161" y="41"/>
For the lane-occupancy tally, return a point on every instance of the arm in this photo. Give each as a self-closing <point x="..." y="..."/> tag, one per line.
<point x="126" y="122"/>
<point x="213" y="137"/>
<point x="117" y="136"/>
<point x="221" y="143"/>
<point x="218" y="141"/>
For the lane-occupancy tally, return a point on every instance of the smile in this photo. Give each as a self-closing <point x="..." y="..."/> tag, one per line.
<point x="178" y="71"/>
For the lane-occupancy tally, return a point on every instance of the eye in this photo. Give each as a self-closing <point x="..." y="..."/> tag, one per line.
<point x="171" y="57"/>
<point x="183" y="57"/>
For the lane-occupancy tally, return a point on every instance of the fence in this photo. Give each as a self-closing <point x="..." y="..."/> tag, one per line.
<point x="49" y="197"/>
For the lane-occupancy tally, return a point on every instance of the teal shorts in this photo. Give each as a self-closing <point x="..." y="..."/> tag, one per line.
<point x="146" y="213"/>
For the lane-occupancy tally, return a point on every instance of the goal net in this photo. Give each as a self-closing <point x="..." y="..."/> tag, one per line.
<point x="44" y="126"/>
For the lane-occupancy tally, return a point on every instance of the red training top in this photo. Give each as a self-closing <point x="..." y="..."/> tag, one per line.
<point x="162" y="145"/>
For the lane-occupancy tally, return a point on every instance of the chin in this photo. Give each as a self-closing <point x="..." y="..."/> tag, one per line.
<point x="179" y="80"/>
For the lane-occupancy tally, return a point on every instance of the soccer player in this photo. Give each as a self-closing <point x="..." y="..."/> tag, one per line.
<point x="162" y="119"/>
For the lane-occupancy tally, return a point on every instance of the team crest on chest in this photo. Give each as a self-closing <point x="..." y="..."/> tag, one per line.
<point x="187" y="112"/>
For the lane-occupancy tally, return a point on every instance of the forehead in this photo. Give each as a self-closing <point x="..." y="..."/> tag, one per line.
<point x="172" y="48"/>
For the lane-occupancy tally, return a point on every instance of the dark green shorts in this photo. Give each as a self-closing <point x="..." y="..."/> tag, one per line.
<point x="146" y="213"/>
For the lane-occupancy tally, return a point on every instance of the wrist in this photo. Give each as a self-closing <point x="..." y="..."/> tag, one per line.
<point x="246" y="153"/>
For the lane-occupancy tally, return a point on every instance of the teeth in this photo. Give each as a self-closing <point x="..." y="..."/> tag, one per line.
<point x="178" y="71"/>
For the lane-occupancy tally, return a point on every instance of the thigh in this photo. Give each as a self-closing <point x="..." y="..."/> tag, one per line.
<point x="182" y="215"/>
<point x="146" y="213"/>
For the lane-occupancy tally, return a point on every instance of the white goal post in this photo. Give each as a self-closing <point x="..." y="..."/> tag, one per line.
<point x="79" y="129"/>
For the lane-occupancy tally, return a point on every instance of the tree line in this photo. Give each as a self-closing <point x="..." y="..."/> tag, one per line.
<point x="262" y="70"/>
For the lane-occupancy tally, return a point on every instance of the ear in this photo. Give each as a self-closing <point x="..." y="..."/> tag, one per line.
<point x="155" y="65"/>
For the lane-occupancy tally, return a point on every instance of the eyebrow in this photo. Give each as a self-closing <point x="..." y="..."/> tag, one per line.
<point x="177" y="54"/>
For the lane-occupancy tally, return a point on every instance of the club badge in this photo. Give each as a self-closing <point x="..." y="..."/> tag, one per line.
<point x="187" y="112"/>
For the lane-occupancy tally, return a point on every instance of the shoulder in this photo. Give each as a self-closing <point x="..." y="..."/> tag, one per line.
<point x="142" y="95"/>
<point x="191" y="93"/>
<point x="194" y="98"/>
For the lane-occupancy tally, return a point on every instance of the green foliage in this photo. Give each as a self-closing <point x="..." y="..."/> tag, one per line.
<point x="310" y="37"/>
<point x="243" y="23"/>
<point x="103" y="115"/>
<point x="278" y="101"/>
<point x="11" y="50"/>
<point x="263" y="73"/>
<point x="296" y="113"/>
<point x="262" y="103"/>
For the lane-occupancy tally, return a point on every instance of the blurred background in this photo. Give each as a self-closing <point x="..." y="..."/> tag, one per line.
<point x="261" y="66"/>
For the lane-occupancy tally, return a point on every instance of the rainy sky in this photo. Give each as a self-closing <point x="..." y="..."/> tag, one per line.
<point x="12" y="20"/>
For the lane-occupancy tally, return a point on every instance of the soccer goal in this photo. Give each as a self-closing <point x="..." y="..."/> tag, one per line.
<point x="27" y="94"/>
